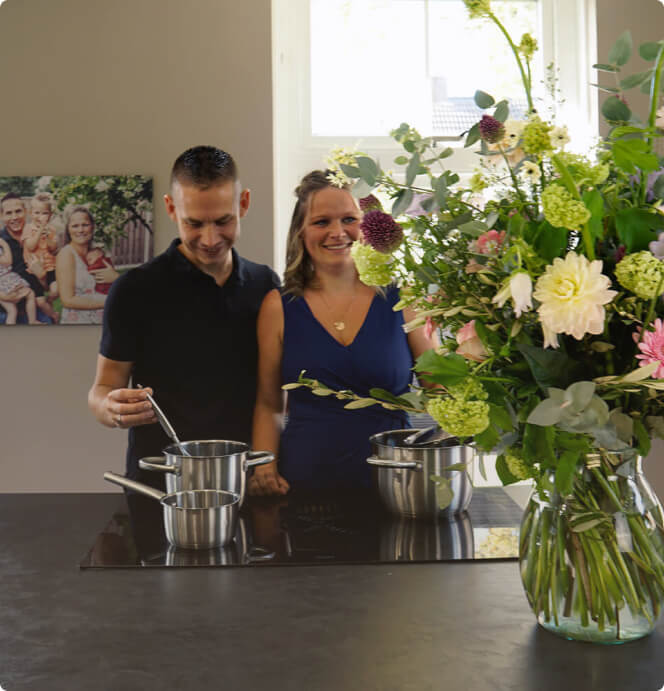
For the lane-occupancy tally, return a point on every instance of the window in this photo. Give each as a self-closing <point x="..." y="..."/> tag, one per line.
<point x="346" y="72"/>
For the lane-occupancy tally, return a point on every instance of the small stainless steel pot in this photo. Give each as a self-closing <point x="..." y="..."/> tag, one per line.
<point x="193" y="519"/>
<point x="211" y="464"/>
<point x="403" y="474"/>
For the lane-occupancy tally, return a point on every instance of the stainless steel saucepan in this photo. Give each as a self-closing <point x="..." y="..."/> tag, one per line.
<point x="211" y="464"/>
<point x="408" y="477"/>
<point x="194" y="519"/>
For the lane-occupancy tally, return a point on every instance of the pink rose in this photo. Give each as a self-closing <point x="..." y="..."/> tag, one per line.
<point x="490" y="242"/>
<point x="470" y="345"/>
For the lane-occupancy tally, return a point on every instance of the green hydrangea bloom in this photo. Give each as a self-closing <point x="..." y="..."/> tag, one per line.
<point x="528" y="46"/>
<point x="477" y="182"/>
<point x="562" y="210"/>
<point x="516" y="465"/>
<point x="582" y="170"/>
<point x="374" y="268"/>
<point x="478" y="8"/>
<point x="535" y="137"/>
<point x="467" y="389"/>
<point x="459" y="417"/>
<point x="641" y="274"/>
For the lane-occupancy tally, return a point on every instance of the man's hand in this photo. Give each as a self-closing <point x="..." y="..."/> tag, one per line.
<point x="266" y="481"/>
<point x="125" y="408"/>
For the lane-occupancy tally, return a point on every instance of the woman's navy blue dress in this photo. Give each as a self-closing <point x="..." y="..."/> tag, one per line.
<point x="323" y="445"/>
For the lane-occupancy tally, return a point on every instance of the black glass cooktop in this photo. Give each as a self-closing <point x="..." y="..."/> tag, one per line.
<point x="315" y="529"/>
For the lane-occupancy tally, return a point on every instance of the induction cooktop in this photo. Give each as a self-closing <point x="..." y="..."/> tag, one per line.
<point x="315" y="528"/>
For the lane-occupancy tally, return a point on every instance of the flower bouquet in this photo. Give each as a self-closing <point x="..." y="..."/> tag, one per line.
<point x="543" y="272"/>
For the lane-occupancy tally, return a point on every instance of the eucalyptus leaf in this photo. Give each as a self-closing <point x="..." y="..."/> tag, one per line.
<point x="624" y="425"/>
<point x="290" y="387"/>
<point x="401" y="202"/>
<point x="446" y="153"/>
<point x="483" y="100"/>
<point x="635" y="79"/>
<point x="614" y="110"/>
<point x="474" y="228"/>
<point x="413" y="169"/>
<point x="621" y="50"/>
<point x="473" y="135"/>
<point x="368" y="169"/>
<point x="546" y="413"/>
<point x="350" y="171"/>
<point x="607" y="89"/>
<point x="360" y="403"/>
<point x="502" y="111"/>
<point x="650" y="50"/>
<point x="401" y="160"/>
<point x="580" y="394"/>
<point x="603" y="67"/>
<point x="322" y="392"/>
<point x="361" y="188"/>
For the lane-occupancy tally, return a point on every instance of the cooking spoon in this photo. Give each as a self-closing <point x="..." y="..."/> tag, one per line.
<point x="427" y="436"/>
<point x="165" y="424"/>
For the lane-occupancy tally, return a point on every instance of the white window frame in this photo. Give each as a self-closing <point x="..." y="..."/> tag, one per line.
<point x="569" y="41"/>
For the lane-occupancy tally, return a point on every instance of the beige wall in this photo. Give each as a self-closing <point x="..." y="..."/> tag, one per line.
<point x="122" y="86"/>
<point x="116" y="86"/>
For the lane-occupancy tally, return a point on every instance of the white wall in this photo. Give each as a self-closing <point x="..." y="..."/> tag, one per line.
<point x="119" y="86"/>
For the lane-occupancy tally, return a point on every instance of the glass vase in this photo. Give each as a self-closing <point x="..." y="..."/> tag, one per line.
<point x="592" y="562"/>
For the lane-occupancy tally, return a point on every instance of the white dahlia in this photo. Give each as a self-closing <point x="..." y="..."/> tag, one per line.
<point x="572" y="293"/>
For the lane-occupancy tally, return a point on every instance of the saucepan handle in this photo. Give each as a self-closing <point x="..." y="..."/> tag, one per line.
<point x="386" y="463"/>
<point x="132" y="484"/>
<point x="155" y="463"/>
<point x="257" y="458"/>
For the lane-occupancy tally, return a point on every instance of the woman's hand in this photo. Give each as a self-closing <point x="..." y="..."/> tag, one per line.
<point x="106" y="275"/>
<point x="266" y="481"/>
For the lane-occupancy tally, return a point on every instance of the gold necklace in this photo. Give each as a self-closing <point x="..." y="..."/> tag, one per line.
<point x="339" y="325"/>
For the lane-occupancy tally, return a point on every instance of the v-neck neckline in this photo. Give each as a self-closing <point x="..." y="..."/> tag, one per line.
<point x="359" y="331"/>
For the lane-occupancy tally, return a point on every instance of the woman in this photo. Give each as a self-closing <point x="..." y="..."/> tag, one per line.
<point x="343" y="333"/>
<point x="82" y="304"/>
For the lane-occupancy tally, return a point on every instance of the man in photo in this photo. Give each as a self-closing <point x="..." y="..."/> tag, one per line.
<point x="13" y="215"/>
<point x="183" y="325"/>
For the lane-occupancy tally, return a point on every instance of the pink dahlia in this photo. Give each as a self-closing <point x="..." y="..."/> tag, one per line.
<point x="652" y="348"/>
<point x="370" y="203"/>
<point x="469" y="343"/>
<point x="491" y="130"/>
<point x="381" y="231"/>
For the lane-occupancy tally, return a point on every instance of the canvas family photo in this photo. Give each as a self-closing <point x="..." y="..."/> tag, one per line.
<point x="65" y="239"/>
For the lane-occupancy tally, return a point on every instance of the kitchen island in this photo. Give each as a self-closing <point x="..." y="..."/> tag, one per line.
<point x="452" y="626"/>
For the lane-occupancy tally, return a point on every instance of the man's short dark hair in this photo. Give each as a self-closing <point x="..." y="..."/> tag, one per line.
<point x="9" y="196"/>
<point x="203" y="166"/>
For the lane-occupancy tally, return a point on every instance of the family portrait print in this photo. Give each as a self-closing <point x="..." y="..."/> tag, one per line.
<point x="65" y="239"/>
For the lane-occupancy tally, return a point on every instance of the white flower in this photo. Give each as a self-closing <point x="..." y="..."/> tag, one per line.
<point x="559" y="137"/>
<point x="102" y="186"/>
<point x="572" y="293"/>
<point x="519" y="288"/>
<point x="513" y="130"/>
<point x="530" y="171"/>
<point x="659" y="122"/>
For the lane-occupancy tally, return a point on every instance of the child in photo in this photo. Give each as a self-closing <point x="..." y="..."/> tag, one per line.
<point x="96" y="258"/>
<point x="12" y="283"/>
<point x="40" y="244"/>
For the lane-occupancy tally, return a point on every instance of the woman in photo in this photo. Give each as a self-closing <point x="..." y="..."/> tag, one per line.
<point x="343" y="333"/>
<point x="81" y="302"/>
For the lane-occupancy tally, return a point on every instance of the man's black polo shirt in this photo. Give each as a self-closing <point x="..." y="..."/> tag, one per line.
<point x="192" y="341"/>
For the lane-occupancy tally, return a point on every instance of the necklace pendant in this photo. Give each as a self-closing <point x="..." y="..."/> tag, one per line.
<point x="339" y="326"/>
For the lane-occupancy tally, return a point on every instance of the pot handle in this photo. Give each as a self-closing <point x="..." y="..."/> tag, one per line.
<point x="385" y="463"/>
<point x="155" y="463"/>
<point x="136" y="486"/>
<point x="258" y="554"/>
<point x="257" y="458"/>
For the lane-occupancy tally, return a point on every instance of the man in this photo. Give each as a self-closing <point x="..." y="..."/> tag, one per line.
<point x="13" y="213"/>
<point x="184" y="324"/>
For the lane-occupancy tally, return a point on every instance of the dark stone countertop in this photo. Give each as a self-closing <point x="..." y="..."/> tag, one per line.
<point x="385" y="627"/>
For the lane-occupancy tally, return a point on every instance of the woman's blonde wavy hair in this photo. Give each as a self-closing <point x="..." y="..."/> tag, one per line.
<point x="299" y="269"/>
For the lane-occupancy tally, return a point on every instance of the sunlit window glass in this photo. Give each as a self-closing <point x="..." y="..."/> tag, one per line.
<point x="376" y="63"/>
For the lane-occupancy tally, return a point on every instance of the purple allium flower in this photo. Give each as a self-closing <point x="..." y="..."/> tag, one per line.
<point x="381" y="231"/>
<point x="370" y="203"/>
<point x="491" y="130"/>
